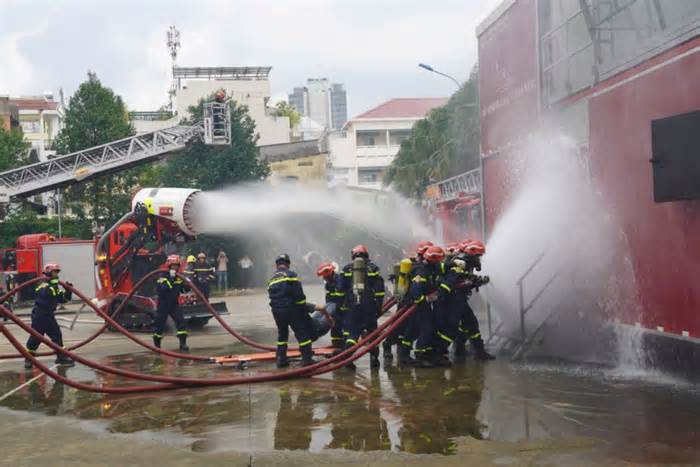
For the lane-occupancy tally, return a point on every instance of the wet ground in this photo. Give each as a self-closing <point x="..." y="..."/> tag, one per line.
<point x="498" y="413"/>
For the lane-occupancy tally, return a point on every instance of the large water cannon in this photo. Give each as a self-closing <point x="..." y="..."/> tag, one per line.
<point x="176" y="205"/>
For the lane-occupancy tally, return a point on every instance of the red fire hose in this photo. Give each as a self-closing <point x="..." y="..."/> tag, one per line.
<point x="342" y="359"/>
<point x="110" y="321"/>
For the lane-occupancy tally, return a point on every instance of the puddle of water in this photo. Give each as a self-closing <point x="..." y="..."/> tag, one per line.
<point x="394" y="409"/>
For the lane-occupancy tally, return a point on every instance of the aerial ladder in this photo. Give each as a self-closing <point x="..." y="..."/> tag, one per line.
<point x="116" y="156"/>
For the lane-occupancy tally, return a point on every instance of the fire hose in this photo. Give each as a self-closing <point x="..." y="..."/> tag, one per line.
<point x="109" y="320"/>
<point x="343" y="358"/>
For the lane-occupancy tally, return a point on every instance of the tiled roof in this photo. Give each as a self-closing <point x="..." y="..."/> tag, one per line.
<point x="34" y="104"/>
<point x="404" y="107"/>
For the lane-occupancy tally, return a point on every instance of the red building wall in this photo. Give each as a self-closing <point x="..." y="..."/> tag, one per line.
<point x="663" y="238"/>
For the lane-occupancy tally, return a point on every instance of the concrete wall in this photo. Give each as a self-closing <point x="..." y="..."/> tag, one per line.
<point x="306" y="169"/>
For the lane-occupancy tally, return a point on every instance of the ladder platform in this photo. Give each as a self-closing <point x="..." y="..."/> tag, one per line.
<point x="267" y="356"/>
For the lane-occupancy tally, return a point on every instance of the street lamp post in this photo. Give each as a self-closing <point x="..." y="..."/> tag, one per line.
<point x="433" y="70"/>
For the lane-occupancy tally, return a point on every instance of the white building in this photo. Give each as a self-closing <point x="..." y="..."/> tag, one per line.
<point x="41" y="118"/>
<point x="249" y="86"/>
<point x="368" y="143"/>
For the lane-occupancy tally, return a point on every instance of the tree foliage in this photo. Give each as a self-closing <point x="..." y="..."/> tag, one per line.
<point x="27" y="222"/>
<point x="13" y="149"/>
<point x="443" y="144"/>
<point x="96" y="115"/>
<point x="215" y="167"/>
<point x="285" y="109"/>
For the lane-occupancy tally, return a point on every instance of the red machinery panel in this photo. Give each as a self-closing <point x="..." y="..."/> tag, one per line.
<point x="662" y="237"/>
<point x="27" y="261"/>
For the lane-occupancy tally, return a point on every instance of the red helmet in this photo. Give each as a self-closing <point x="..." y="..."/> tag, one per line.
<point x="173" y="260"/>
<point x="325" y="270"/>
<point x="452" y="247"/>
<point x="474" y="248"/>
<point x="423" y="246"/>
<point x="434" y="254"/>
<point x="360" y="250"/>
<point x="50" y="267"/>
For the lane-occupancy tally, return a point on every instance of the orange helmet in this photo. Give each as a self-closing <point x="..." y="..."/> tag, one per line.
<point x="474" y="248"/>
<point x="423" y="246"/>
<point x="51" y="267"/>
<point x="360" y="250"/>
<point x="173" y="260"/>
<point x="325" y="270"/>
<point x="434" y="254"/>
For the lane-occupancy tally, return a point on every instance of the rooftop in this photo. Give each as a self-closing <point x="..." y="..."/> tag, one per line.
<point x="27" y="103"/>
<point x="404" y="107"/>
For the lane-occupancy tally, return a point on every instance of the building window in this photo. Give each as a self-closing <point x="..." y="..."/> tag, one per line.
<point x="396" y="137"/>
<point x="369" y="176"/>
<point x="369" y="138"/>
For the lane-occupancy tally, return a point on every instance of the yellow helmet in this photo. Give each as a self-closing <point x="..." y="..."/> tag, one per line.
<point x="191" y="259"/>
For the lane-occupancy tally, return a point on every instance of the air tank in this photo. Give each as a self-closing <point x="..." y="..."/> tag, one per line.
<point x="175" y="204"/>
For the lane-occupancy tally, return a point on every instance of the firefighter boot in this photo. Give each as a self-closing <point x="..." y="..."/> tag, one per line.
<point x="351" y="365"/>
<point x="156" y="341"/>
<point x="65" y="360"/>
<point x="439" y="358"/>
<point x="386" y="351"/>
<point x="183" y="342"/>
<point x="424" y="360"/>
<point x="282" y="356"/>
<point x="307" y="355"/>
<point x="459" y="345"/>
<point x="374" y="358"/>
<point x="405" y="355"/>
<point x="480" y="352"/>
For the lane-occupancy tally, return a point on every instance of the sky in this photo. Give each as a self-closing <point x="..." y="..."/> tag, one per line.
<point x="371" y="46"/>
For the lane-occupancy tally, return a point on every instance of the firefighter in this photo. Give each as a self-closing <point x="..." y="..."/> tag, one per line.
<point x="402" y="340"/>
<point x="364" y="295"/>
<point x="289" y="309"/>
<point x="335" y="301"/>
<point x="423" y="293"/>
<point x="469" y="325"/>
<point x="48" y="296"/>
<point x="203" y="274"/>
<point x="169" y="287"/>
<point x="452" y="295"/>
<point x="189" y="267"/>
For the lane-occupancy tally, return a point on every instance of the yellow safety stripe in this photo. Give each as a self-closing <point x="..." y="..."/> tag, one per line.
<point x="336" y="338"/>
<point x="163" y="280"/>
<point x="420" y="279"/>
<point x="350" y="341"/>
<point x="41" y="286"/>
<point x="347" y="274"/>
<point x="159" y="336"/>
<point x="372" y="274"/>
<point x="180" y="333"/>
<point x="379" y="294"/>
<point x="337" y="294"/>
<point x="281" y="343"/>
<point x="421" y="299"/>
<point x="284" y="279"/>
<point x="463" y="330"/>
<point x="300" y="302"/>
<point x="202" y="270"/>
<point x="446" y="287"/>
<point x="346" y="333"/>
<point x="475" y="336"/>
<point x="407" y="343"/>
<point x="305" y="343"/>
<point x="444" y="337"/>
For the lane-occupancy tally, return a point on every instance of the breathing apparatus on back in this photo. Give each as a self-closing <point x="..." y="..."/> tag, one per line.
<point x="360" y="258"/>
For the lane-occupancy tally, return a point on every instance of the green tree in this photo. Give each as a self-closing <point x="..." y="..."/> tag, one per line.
<point x="214" y="167"/>
<point x="96" y="115"/>
<point x="285" y="109"/>
<point x="13" y="149"/>
<point x="443" y="144"/>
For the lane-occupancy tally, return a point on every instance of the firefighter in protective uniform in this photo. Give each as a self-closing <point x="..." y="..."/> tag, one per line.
<point x="402" y="340"/>
<point x="364" y="295"/>
<point x="203" y="274"/>
<point x="423" y="293"/>
<point x="289" y="309"/>
<point x="335" y="301"/>
<point x="452" y="295"/>
<point x="469" y="325"/>
<point x="169" y="287"/>
<point x="48" y="296"/>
